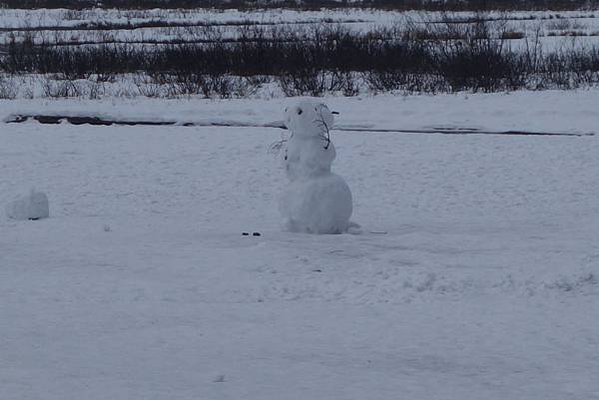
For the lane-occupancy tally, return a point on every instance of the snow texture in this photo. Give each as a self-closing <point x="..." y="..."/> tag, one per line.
<point x="141" y="286"/>
<point x="31" y="206"/>
<point x="316" y="200"/>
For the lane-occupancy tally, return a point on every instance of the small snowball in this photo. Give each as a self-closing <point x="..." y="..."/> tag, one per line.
<point x="32" y="206"/>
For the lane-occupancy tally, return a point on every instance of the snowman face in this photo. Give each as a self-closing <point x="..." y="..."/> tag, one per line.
<point x="309" y="119"/>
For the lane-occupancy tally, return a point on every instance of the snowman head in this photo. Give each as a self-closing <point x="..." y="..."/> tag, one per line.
<point x="309" y="119"/>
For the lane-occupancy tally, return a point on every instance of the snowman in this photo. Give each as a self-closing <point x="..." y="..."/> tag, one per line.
<point x="316" y="200"/>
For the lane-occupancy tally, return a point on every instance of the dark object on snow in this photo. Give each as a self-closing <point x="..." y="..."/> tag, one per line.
<point x="245" y="233"/>
<point x="256" y="234"/>
<point x="33" y="219"/>
<point x="93" y="120"/>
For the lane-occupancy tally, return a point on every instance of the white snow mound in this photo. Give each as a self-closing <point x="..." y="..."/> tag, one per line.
<point x="32" y="206"/>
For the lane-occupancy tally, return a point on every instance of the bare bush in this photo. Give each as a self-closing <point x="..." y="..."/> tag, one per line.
<point x="453" y="5"/>
<point x="8" y="88"/>
<point x="54" y="88"/>
<point x="446" y="56"/>
<point x="317" y="83"/>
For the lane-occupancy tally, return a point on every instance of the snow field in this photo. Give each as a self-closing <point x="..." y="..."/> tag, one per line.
<point x="140" y="285"/>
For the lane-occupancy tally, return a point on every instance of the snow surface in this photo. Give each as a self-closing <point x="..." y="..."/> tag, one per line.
<point x="573" y="111"/>
<point x="141" y="286"/>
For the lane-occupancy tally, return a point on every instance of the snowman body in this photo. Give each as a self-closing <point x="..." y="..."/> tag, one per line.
<point x="316" y="200"/>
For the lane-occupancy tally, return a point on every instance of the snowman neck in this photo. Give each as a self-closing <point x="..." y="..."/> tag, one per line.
<point x="323" y="134"/>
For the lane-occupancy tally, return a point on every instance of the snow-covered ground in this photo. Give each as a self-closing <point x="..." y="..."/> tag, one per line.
<point x="148" y="26"/>
<point x="476" y="277"/>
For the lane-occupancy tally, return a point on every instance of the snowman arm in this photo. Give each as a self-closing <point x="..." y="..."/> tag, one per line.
<point x="325" y="134"/>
